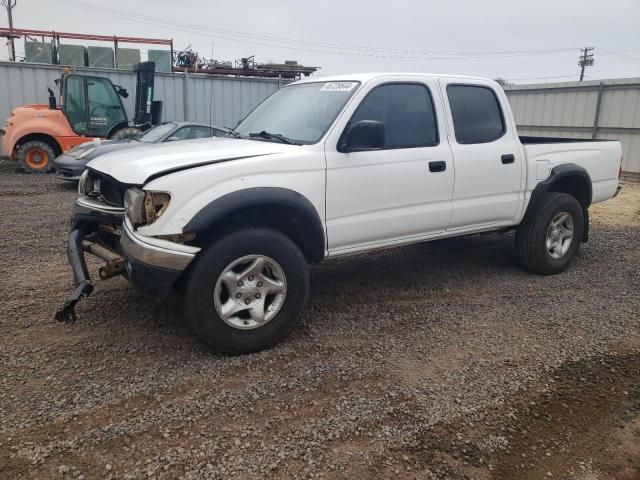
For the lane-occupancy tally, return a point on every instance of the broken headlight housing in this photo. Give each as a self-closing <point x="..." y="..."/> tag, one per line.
<point x="144" y="207"/>
<point x="85" y="184"/>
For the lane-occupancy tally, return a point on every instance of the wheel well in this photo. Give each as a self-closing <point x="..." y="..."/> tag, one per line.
<point x="576" y="186"/>
<point x="40" y="137"/>
<point x="287" y="220"/>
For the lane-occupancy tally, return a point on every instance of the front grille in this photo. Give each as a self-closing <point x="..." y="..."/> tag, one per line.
<point x="106" y="189"/>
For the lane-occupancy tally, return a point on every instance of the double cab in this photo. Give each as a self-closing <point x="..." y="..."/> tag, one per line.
<point x="325" y="167"/>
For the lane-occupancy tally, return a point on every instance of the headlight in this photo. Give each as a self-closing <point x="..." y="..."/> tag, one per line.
<point x="86" y="153"/>
<point x="134" y="206"/>
<point x="85" y="184"/>
<point x="144" y="207"/>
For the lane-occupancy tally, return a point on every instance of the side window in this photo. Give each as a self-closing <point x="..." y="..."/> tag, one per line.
<point x="215" y="132"/>
<point x="200" y="132"/>
<point x="406" y="111"/>
<point x="477" y="117"/>
<point x="182" y="133"/>
<point x="189" y="133"/>
<point x="105" y="108"/>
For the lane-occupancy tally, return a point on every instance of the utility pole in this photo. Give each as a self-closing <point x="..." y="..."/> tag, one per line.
<point x="585" y="60"/>
<point x="10" y="4"/>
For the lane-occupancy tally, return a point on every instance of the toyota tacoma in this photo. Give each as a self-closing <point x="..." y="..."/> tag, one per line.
<point x="322" y="168"/>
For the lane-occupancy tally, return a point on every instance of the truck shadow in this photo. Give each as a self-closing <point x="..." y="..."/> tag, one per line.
<point x="338" y="285"/>
<point x="431" y="265"/>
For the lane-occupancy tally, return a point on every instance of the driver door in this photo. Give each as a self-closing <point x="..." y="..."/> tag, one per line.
<point x="74" y="103"/>
<point x="398" y="193"/>
<point x="104" y="106"/>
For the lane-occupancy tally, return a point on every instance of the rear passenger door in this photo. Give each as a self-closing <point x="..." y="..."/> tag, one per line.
<point x="486" y="152"/>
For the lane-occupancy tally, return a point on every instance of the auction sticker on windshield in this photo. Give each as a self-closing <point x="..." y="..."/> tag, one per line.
<point x="338" y="86"/>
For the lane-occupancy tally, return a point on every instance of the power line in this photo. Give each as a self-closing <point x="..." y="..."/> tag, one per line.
<point x="635" y="61"/>
<point x="328" y="48"/>
<point x="297" y="44"/>
<point x="542" y="78"/>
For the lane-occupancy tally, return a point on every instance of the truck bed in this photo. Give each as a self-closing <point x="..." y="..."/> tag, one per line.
<point x="600" y="158"/>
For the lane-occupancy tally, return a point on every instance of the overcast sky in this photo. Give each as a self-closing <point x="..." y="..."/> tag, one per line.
<point x="524" y="41"/>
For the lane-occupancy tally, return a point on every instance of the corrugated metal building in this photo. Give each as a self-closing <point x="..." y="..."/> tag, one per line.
<point x="606" y="109"/>
<point x="219" y="100"/>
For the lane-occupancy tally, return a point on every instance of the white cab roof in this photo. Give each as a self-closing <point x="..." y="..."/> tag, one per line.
<point x="365" y="77"/>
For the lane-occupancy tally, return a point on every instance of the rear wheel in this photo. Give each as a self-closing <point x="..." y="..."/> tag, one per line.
<point x="246" y="292"/>
<point x="36" y="156"/>
<point x="547" y="242"/>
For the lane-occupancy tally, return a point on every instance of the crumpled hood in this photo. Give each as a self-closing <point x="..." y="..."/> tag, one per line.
<point x="135" y="166"/>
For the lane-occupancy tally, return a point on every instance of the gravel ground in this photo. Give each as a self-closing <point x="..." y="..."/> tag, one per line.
<point x="436" y="361"/>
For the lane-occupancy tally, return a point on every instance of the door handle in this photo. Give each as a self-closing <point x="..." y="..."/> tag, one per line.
<point x="437" y="166"/>
<point x="508" y="158"/>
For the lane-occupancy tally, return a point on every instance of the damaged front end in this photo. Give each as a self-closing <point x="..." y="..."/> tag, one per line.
<point x="105" y="224"/>
<point x="96" y="228"/>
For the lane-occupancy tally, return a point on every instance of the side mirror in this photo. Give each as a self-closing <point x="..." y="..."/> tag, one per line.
<point x="52" y="100"/>
<point x="172" y="139"/>
<point x="363" y="135"/>
<point x="122" y="91"/>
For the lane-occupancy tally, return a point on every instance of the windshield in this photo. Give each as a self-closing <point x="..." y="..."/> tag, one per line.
<point x="302" y="113"/>
<point x="156" y="133"/>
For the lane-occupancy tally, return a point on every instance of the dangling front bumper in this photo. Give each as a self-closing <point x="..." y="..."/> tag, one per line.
<point x="151" y="264"/>
<point x="95" y="228"/>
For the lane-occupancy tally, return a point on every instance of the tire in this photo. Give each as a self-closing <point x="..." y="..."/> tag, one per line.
<point x="283" y="268"/>
<point x="36" y="156"/>
<point x="127" y="132"/>
<point x="543" y="248"/>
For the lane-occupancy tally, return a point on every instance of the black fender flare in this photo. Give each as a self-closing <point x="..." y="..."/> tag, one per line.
<point x="558" y="173"/>
<point x="260" y="197"/>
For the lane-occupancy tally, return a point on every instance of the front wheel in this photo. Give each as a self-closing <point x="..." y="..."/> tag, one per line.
<point x="246" y="291"/>
<point x="547" y="242"/>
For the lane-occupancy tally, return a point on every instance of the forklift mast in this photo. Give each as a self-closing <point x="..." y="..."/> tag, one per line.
<point x="144" y="103"/>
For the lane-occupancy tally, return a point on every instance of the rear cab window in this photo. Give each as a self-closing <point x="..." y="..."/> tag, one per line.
<point x="476" y="113"/>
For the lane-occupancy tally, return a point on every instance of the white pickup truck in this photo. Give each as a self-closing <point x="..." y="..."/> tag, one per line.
<point x="325" y="167"/>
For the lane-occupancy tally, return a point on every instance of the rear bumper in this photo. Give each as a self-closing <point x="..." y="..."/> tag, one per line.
<point x="152" y="265"/>
<point x="69" y="167"/>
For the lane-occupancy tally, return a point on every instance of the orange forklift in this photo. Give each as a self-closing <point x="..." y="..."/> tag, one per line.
<point x="90" y="107"/>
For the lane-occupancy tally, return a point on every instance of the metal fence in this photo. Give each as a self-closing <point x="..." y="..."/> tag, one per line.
<point x="186" y="96"/>
<point x="608" y="109"/>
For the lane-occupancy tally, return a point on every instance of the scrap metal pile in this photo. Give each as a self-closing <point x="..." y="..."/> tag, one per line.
<point x="189" y="61"/>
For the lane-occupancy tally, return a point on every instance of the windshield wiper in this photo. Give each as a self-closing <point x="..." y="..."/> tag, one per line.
<point x="271" y="136"/>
